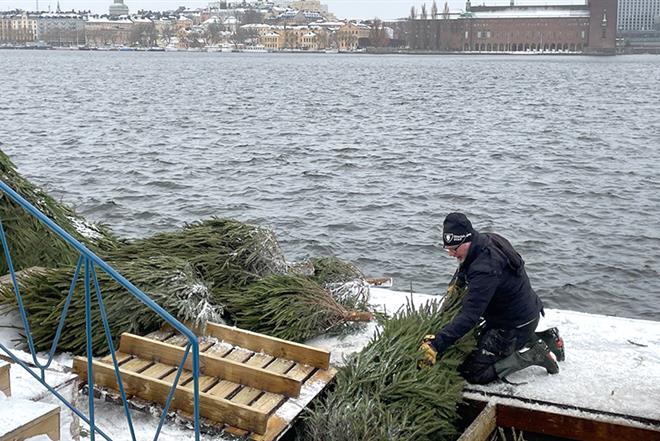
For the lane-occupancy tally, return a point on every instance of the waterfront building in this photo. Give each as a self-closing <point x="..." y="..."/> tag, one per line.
<point x="638" y="15"/>
<point x="309" y="41"/>
<point x="349" y="35"/>
<point x="588" y="28"/>
<point x="118" y="8"/>
<point x="273" y="40"/>
<point x="63" y="29"/>
<point x="100" y="32"/>
<point x="19" y="28"/>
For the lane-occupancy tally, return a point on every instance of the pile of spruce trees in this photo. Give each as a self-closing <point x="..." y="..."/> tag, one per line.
<point x="215" y="269"/>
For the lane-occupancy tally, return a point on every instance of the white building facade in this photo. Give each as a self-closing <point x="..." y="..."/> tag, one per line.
<point x="637" y="15"/>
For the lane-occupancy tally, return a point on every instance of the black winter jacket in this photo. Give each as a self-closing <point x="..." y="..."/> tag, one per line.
<point x="498" y="290"/>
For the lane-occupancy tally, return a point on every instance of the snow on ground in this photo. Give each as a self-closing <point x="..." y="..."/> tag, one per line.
<point x="22" y="412"/>
<point x="612" y="365"/>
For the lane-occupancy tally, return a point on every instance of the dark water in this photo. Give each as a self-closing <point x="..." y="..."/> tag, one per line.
<point x="362" y="156"/>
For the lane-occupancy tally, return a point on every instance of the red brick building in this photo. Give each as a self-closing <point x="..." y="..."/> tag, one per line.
<point x="589" y="28"/>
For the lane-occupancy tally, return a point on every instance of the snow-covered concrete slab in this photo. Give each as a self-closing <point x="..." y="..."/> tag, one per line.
<point x="612" y="363"/>
<point x="17" y="413"/>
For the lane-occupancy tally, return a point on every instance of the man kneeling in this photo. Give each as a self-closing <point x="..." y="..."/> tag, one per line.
<point x="498" y="290"/>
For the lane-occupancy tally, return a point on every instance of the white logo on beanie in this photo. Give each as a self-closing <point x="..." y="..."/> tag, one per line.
<point x="456" y="238"/>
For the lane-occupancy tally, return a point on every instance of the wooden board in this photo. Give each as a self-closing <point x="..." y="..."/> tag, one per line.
<point x="151" y="389"/>
<point x="5" y="385"/>
<point x="270" y="345"/>
<point x="47" y="424"/>
<point x="556" y="421"/>
<point x="571" y="426"/>
<point x="482" y="426"/>
<point x="213" y="366"/>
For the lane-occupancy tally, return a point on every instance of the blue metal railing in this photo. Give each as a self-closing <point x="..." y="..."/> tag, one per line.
<point x="91" y="261"/>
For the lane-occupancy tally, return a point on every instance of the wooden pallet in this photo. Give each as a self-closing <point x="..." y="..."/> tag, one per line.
<point x="250" y="384"/>
<point x="5" y="386"/>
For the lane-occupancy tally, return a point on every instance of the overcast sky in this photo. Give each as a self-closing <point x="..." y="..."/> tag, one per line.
<point x="384" y="9"/>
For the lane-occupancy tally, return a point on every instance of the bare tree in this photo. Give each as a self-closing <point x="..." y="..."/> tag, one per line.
<point x="143" y="34"/>
<point x="194" y="39"/>
<point x="423" y="15"/>
<point x="213" y="33"/>
<point x="290" y="39"/>
<point x="411" y="34"/>
<point x="245" y="35"/>
<point x="445" y="12"/>
<point x="434" y="11"/>
<point x="167" y="32"/>
<point x="377" y="35"/>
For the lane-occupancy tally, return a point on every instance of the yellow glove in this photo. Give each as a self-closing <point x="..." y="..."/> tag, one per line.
<point x="429" y="353"/>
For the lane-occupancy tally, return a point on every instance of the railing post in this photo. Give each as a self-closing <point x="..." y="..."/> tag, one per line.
<point x="195" y="349"/>
<point x="90" y="353"/>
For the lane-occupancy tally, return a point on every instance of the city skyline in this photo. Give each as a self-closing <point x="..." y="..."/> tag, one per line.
<point x="360" y="9"/>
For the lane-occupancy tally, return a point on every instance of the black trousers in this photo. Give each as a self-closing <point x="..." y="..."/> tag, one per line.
<point x="492" y="346"/>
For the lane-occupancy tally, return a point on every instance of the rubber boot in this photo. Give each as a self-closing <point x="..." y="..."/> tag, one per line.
<point x="537" y="355"/>
<point x="554" y="341"/>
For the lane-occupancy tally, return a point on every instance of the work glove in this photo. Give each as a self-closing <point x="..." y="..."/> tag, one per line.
<point x="429" y="354"/>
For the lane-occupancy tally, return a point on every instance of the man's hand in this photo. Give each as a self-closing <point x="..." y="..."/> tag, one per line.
<point x="429" y="353"/>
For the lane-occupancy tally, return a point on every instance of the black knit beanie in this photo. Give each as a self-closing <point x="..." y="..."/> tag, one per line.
<point x="456" y="229"/>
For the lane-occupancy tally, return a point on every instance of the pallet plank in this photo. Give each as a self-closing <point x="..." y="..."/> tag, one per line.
<point x="269" y="401"/>
<point x="219" y="349"/>
<point x="280" y="365"/>
<point x="246" y="395"/>
<point x="136" y="365"/>
<point x="238" y="354"/>
<point x="177" y="340"/>
<point x="121" y="358"/>
<point x="300" y="372"/>
<point x="149" y="389"/>
<point x="211" y="365"/>
<point x="186" y="376"/>
<point x="259" y="359"/>
<point x="270" y="345"/>
<point x="225" y="388"/>
<point x="276" y="425"/>
<point x="482" y="427"/>
<point x="159" y="370"/>
<point x="205" y="383"/>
